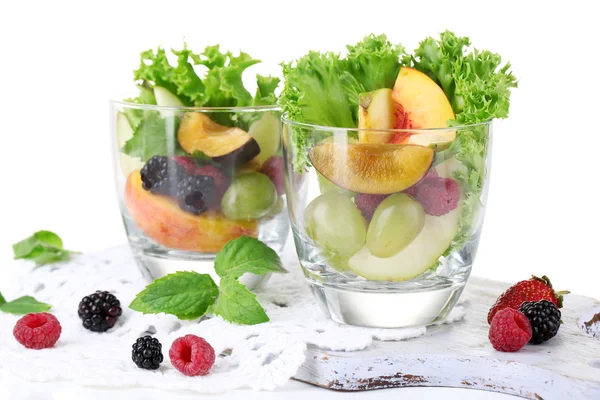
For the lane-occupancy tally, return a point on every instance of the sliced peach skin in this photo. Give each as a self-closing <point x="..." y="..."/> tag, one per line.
<point x="420" y="104"/>
<point x="226" y="145"/>
<point x="161" y="219"/>
<point x="372" y="168"/>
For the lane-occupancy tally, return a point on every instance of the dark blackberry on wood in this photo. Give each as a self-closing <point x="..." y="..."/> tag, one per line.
<point x="544" y="318"/>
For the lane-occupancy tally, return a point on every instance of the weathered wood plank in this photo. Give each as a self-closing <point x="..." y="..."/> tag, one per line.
<point x="460" y="355"/>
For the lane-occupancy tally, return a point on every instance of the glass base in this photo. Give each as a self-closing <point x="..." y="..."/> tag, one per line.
<point x="387" y="309"/>
<point x="156" y="261"/>
<point x="154" y="267"/>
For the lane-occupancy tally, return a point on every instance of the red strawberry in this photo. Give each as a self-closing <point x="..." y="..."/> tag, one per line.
<point x="534" y="289"/>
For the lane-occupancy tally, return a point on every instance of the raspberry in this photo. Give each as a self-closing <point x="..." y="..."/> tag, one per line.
<point x="510" y="330"/>
<point x="99" y="311"/>
<point x="37" y="331"/>
<point x="432" y="173"/>
<point x="273" y="168"/>
<point x="191" y="355"/>
<point x="438" y="196"/>
<point x="367" y="203"/>
<point x="188" y="164"/>
<point x="146" y="352"/>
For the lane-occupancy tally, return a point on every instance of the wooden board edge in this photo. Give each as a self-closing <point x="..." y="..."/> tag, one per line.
<point x="507" y="377"/>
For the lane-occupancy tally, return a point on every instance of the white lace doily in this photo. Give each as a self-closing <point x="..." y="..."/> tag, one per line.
<point x="261" y="357"/>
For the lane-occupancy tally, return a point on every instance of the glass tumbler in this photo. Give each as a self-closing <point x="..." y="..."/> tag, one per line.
<point x="191" y="179"/>
<point x="386" y="222"/>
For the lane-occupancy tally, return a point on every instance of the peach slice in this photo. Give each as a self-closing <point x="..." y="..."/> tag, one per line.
<point x="376" y="110"/>
<point x="161" y="219"/>
<point x="226" y="145"/>
<point x="372" y="168"/>
<point x="420" y="104"/>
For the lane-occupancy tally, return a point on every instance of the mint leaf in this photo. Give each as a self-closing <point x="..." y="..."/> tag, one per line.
<point x="24" y="305"/>
<point x="237" y="304"/>
<point x="2" y="300"/>
<point x="246" y="254"/>
<point x="43" y="247"/>
<point x="154" y="136"/>
<point x="187" y="295"/>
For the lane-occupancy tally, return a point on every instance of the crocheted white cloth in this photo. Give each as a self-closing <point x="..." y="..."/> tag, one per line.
<point x="261" y="357"/>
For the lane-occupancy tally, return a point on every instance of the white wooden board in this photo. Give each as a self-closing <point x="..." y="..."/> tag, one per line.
<point x="460" y="355"/>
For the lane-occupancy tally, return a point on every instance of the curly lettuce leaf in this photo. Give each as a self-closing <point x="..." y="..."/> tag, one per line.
<point x="475" y="82"/>
<point x="374" y="62"/>
<point x="478" y="87"/>
<point x="265" y="91"/>
<point x="323" y="88"/>
<point x="314" y="91"/>
<point x="220" y="86"/>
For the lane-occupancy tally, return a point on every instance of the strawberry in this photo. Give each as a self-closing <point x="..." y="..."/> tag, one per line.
<point x="534" y="289"/>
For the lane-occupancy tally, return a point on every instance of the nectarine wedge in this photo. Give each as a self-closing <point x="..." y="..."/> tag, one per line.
<point x="424" y="103"/>
<point x="161" y="219"/>
<point x="372" y="168"/>
<point x="226" y="145"/>
<point x="420" y="104"/>
<point x="376" y="110"/>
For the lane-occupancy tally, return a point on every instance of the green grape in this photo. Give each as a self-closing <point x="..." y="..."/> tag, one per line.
<point x="267" y="133"/>
<point x="275" y="210"/>
<point x="397" y="221"/>
<point x="333" y="222"/>
<point x="250" y="196"/>
<point x="325" y="185"/>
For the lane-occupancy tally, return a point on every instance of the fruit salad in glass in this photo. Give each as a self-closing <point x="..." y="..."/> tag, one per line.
<point x="387" y="162"/>
<point x="198" y="161"/>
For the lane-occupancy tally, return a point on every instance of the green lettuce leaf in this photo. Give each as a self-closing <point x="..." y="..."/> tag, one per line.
<point x="265" y="91"/>
<point x="323" y="88"/>
<point x="478" y="87"/>
<point x="220" y="86"/>
<point x="374" y="62"/>
<point x="476" y="83"/>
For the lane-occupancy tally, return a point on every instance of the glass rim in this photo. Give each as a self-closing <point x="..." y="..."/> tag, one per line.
<point x="287" y="121"/>
<point x="153" y="107"/>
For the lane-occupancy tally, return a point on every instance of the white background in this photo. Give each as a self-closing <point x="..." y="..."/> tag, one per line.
<point x="61" y="61"/>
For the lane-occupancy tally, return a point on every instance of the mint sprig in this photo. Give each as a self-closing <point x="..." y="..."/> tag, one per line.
<point x="43" y="247"/>
<point x="23" y="305"/>
<point x="237" y="304"/>
<point x="186" y="295"/>
<point x="190" y="295"/>
<point x="247" y="254"/>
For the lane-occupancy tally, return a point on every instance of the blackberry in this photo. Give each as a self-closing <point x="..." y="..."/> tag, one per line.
<point x="99" y="311"/>
<point x="196" y="193"/>
<point x="160" y="175"/>
<point x="544" y="318"/>
<point x="146" y="352"/>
